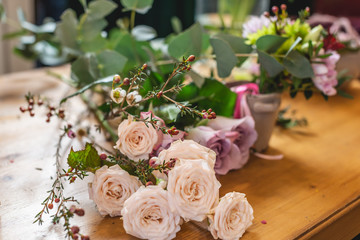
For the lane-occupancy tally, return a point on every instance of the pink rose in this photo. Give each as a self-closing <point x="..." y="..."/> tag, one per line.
<point x="136" y="140"/>
<point x="325" y="74"/>
<point x="228" y="155"/>
<point x="245" y="127"/>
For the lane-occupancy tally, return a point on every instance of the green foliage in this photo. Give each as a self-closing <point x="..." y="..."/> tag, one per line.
<point x="187" y="43"/>
<point x="225" y="57"/>
<point x="270" y="43"/>
<point x="66" y="30"/>
<point x="139" y="6"/>
<point x="169" y="113"/>
<point x="269" y="63"/>
<point x="2" y="12"/>
<point x="213" y="94"/>
<point x="85" y="160"/>
<point x="298" y="65"/>
<point x="85" y="70"/>
<point x="99" y="9"/>
<point x="110" y="62"/>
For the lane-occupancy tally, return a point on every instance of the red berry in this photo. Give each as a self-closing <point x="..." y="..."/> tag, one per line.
<point x="189" y="68"/>
<point x="84" y="237"/>
<point x="57" y="200"/>
<point x="49" y="114"/>
<point x="159" y="94"/>
<point x="126" y="81"/>
<point x="75" y="236"/>
<point x="30" y="107"/>
<point x="169" y="131"/>
<point x="61" y="110"/>
<point x="51" y="108"/>
<point x="191" y="58"/>
<point x="275" y="9"/>
<point x="80" y="212"/>
<point x="22" y="109"/>
<point x="283" y="7"/>
<point x="144" y="67"/>
<point x="175" y="132"/>
<point x="31" y="101"/>
<point x="32" y="114"/>
<point x="116" y="79"/>
<point x="103" y="156"/>
<point x="48" y="120"/>
<point x="75" y="229"/>
<point x="209" y="110"/>
<point x="50" y="206"/>
<point x="40" y="102"/>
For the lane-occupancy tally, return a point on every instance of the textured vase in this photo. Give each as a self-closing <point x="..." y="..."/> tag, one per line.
<point x="264" y="109"/>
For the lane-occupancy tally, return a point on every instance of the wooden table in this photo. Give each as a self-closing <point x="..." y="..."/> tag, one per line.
<point x="313" y="193"/>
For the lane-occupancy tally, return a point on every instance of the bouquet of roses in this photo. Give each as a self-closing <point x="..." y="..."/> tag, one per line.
<point x="149" y="180"/>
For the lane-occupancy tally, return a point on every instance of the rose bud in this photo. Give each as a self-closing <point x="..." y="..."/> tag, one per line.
<point x="191" y="58"/>
<point x="22" y="109"/>
<point x="283" y="7"/>
<point x="116" y="79"/>
<point x="275" y="9"/>
<point x="307" y="9"/>
<point x="144" y="67"/>
<point x="126" y="81"/>
<point x="103" y="156"/>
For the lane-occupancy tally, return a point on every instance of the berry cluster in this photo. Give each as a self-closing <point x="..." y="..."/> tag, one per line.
<point x="173" y="131"/>
<point x="209" y="114"/>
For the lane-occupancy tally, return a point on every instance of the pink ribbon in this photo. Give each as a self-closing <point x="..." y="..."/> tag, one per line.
<point x="241" y="106"/>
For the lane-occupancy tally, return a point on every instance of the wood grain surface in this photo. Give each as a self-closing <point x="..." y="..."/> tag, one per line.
<point x="313" y="192"/>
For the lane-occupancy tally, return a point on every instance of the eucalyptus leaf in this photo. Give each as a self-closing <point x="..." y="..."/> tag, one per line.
<point x="86" y="160"/>
<point x="85" y="69"/>
<point x="197" y="78"/>
<point x="66" y="30"/>
<point x="99" y="9"/>
<point x="269" y="63"/>
<point x="143" y="33"/>
<point x="140" y="6"/>
<point x="225" y="56"/>
<point x="168" y="113"/>
<point x="298" y="65"/>
<point x="111" y="62"/>
<point x="48" y="27"/>
<point x="92" y="28"/>
<point x="187" y="43"/>
<point x="270" y="43"/>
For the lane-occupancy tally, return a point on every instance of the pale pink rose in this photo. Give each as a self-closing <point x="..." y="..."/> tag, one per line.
<point x="193" y="189"/>
<point x="228" y="155"/>
<point x="325" y="74"/>
<point x="136" y="140"/>
<point x="147" y="215"/>
<point x="244" y="126"/>
<point x="231" y="217"/>
<point x="111" y="187"/>
<point x="159" y="123"/>
<point x="188" y="150"/>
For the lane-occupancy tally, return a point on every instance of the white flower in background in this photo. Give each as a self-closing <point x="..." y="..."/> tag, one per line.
<point x="118" y="95"/>
<point x="188" y="150"/>
<point x="111" y="187"/>
<point x="231" y="217"/>
<point x="193" y="189"/>
<point x="136" y="140"/>
<point x="255" y="24"/>
<point x="147" y="215"/>
<point x="133" y="97"/>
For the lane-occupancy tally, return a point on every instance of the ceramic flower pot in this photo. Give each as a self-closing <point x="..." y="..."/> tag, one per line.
<point x="264" y="109"/>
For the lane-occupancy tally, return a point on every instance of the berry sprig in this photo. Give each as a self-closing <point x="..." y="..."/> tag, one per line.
<point x="209" y="114"/>
<point x="33" y="102"/>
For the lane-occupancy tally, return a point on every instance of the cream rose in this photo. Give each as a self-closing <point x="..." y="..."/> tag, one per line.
<point x="193" y="189"/>
<point x="231" y="217"/>
<point x="136" y="140"/>
<point x="188" y="150"/>
<point x="110" y="189"/>
<point x="147" y="215"/>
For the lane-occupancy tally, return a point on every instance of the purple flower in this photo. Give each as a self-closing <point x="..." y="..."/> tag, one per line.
<point x="255" y="24"/>
<point x="245" y="127"/>
<point x="325" y="74"/>
<point x="228" y="155"/>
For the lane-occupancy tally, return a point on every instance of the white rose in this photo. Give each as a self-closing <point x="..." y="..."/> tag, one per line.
<point x="118" y="95"/>
<point x="193" y="189"/>
<point x="231" y="217"/>
<point x="188" y="150"/>
<point x="147" y="215"/>
<point x="110" y="189"/>
<point x="136" y="140"/>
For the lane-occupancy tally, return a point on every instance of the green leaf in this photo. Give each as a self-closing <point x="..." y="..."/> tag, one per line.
<point x="187" y="43"/>
<point x="111" y="62"/>
<point x="298" y="39"/>
<point x="85" y="69"/>
<point x="66" y="30"/>
<point x="270" y="43"/>
<point x="2" y="12"/>
<point x="269" y="63"/>
<point x="298" y="65"/>
<point x="99" y="9"/>
<point x="225" y="57"/>
<point x="237" y="44"/>
<point x="94" y="44"/>
<point x="308" y="94"/>
<point x="84" y="160"/>
<point x="92" y="28"/>
<point x="168" y="113"/>
<point x="344" y="94"/>
<point x="176" y="24"/>
<point x="16" y="34"/>
<point x="140" y="6"/>
<point x="311" y="49"/>
<point x="197" y="78"/>
<point x="84" y="4"/>
<point x="143" y="33"/>
<point x="108" y="79"/>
